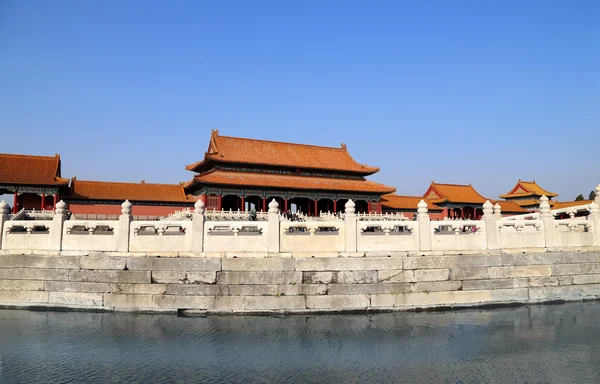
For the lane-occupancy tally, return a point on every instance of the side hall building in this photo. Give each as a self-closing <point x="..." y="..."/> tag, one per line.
<point x="456" y="200"/>
<point x="149" y="200"/>
<point x="244" y="174"/>
<point x="407" y="205"/>
<point x="34" y="181"/>
<point x="459" y="201"/>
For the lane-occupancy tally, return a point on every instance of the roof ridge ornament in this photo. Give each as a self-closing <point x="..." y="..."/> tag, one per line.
<point x="344" y="147"/>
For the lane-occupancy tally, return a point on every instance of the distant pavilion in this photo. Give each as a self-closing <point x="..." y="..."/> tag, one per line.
<point x="527" y="194"/>
<point x="457" y="201"/>
<point x="244" y="174"/>
<point x="464" y="202"/>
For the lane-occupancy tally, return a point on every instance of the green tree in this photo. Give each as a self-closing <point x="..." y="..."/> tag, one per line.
<point x="592" y="195"/>
<point x="579" y="198"/>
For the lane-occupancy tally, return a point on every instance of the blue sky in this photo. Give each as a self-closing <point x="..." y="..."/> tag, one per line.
<point x="481" y="92"/>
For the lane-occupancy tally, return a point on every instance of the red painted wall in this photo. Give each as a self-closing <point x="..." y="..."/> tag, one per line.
<point x="28" y="201"/>
<point x="432" y="215"/>
<point x="439" y="215"/>
<point x="115" y="209"/>
<point x="33" y="201"/>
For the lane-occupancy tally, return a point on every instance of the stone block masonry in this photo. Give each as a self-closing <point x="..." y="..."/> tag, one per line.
<point x="274" y="284"/>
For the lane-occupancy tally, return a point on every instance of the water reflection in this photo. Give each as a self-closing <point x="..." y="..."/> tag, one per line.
<point x="538" y="344"/>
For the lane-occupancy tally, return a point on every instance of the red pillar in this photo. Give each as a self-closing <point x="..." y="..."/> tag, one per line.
<point x="243" y="204"/>
<point x="264" y="204"/>
<point x="43" y="201"/>
<point x="316" y="208"/>
<point x="334" y="206"/>
<point x="379" y="207"/>
<point x="462" y="212"/>
<point x="220" y="204"/>
<point x="285" y="207"/>
<point x="15" y="201"/>
<point x="55" y="200"/>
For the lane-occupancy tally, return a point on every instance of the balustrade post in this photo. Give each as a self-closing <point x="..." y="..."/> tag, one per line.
<point x="56" y="229"/>
<point x="497" y="211"/>
<point x="594" y="216"/>
<point x="198" y="226"/>
<point x="597" y="200"/>
<point x="4" y="216"/>
<point x="273" y="227"/>
<point x="491" y="227"/>
<point x="424" y="226"/>
<point x="548" y="220"/>
<point x="124" y="228"/>
<point x="351" y="226"/>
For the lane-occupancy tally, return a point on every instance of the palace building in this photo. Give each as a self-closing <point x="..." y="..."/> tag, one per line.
<point x="244" y="174"/>
<point x="407" y="205"/>
<point x="527" y="194"/>
<point x="105" y="198"/>
<point x="464" y="202"/>
<point x="34" y="181"/>
<point x="457" y="201"/>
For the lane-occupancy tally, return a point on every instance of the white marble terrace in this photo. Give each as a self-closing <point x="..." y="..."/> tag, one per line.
<point x="196" y="232"/>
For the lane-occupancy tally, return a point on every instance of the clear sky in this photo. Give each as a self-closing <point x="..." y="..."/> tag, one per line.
<point x="481" y="92"/>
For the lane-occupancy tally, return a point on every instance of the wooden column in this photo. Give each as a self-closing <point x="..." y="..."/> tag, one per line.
<point x="243" y="204"/>
<point x="285" y="205"/>
<point x="55" y="200"/>
<point x="220" y="203"/>
<point x="264" y="204"/>
<point x="15" y="202"/>
<point x="316" y="208"/>
<point x="379" y="207"/>
<point x="43" y="205"/>
<point x="334" y="206"/>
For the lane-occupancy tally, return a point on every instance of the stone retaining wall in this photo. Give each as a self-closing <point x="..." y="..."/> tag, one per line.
<point x="398" y="281"/>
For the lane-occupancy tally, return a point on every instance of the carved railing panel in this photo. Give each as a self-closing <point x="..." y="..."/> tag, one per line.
<point x="236" y="236"/>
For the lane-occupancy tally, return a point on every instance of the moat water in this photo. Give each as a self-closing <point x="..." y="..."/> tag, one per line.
<point x="537" y="344"/>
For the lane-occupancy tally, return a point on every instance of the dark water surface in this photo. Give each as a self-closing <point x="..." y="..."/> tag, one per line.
<point x="538" y="344"/>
